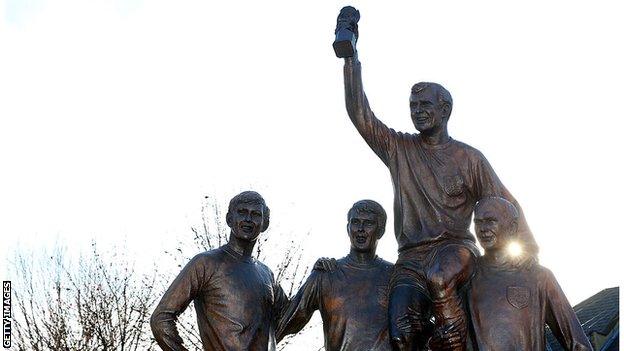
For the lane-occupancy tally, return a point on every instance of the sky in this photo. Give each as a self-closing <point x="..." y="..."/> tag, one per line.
<point x="118" y="117"/>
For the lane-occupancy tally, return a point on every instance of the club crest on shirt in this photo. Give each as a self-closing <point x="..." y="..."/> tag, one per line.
<point x="453" y="185"/>
<point x="518" y="296"/>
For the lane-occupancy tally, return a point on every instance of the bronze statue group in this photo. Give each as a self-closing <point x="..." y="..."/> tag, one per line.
<point x="441" y="294"/>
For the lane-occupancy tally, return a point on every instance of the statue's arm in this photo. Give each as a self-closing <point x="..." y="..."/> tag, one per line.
<point x="301" y="307"/>
<point x="177" y="298"/>
<point x="378" y="136"/>
<point x="280" y="305"/>
<point x="561" y="318"/>
<point x="487" y="184"/>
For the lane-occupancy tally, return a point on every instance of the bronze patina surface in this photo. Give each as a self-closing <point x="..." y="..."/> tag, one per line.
<point x="351" y="293"/>
<point x="437" y="182"/>
<point x="236" y="299"/>
<point x="511" y="297"/>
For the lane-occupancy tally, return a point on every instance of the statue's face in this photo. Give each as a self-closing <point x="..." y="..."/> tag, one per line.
<point x="490" y="227"/>
<point x="246" y="220"/>
<point x="363" y="228"/>
<point x="427" y="113"/>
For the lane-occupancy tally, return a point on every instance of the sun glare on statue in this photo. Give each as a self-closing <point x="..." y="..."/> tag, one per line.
<point x="514" y="249"/>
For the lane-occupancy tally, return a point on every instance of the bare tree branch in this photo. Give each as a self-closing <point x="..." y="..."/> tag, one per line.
<point x="99" y="303"/>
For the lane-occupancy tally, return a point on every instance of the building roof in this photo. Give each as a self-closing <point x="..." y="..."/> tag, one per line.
<point x="613" y="343"/>
<point x="597" y="314"/>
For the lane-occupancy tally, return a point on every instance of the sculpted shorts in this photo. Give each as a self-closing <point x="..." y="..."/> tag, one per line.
<point x="413" y="264"/>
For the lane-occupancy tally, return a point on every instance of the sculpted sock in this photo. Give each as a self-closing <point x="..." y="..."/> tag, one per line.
<point x="450" y="333"/>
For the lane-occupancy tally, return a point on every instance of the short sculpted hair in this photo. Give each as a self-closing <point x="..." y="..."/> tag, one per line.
<point x="510" y="211"/>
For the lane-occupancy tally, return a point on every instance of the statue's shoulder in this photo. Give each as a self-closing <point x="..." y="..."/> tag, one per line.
<point x="327" y="265"/>
<point x="468" y="149"/>
<point x="215" y="256"/>
<point x="386" y="268"/>
<point x="385" y="264"/>
<point x="262" y="266"/>
<point x="206" y="261"/>
<point x="344" y="262"/>
<point x="467" y="152"/>
<point x="208" y="257"/>
<point x="542" y="273"/>
<point x="405" y="137"/>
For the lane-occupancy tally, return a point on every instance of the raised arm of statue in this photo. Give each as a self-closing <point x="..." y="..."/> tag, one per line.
<point x="181" y="292"/>
<point x="378" y="136"/>
<point x="561" y="318"/>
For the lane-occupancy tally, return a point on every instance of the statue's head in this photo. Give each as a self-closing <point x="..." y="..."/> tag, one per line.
<point x="248" y="215"/>
<point x="496" y="223"/>
<point x="430" y="106"/>
<point x="366" y="225"/>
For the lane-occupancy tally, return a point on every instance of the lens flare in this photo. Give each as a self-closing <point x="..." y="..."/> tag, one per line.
<point x="514" y="249"/>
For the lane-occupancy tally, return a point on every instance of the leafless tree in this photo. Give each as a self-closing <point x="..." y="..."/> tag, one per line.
<point x="93" y="304"/>
<point x="99" y="302"/>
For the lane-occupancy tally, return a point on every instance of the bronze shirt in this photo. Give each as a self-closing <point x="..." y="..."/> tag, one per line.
<point x="435" y="187"/>
<point x="236" y="300"/>
<point x="509" y="309"/>
<point x="353" y="302"/>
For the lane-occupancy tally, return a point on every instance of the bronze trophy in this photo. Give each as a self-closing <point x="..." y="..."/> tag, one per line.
<point x="346" y="32"/>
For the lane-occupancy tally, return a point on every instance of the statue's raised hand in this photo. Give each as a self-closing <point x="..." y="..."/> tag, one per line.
<point x="346" y="32"/>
